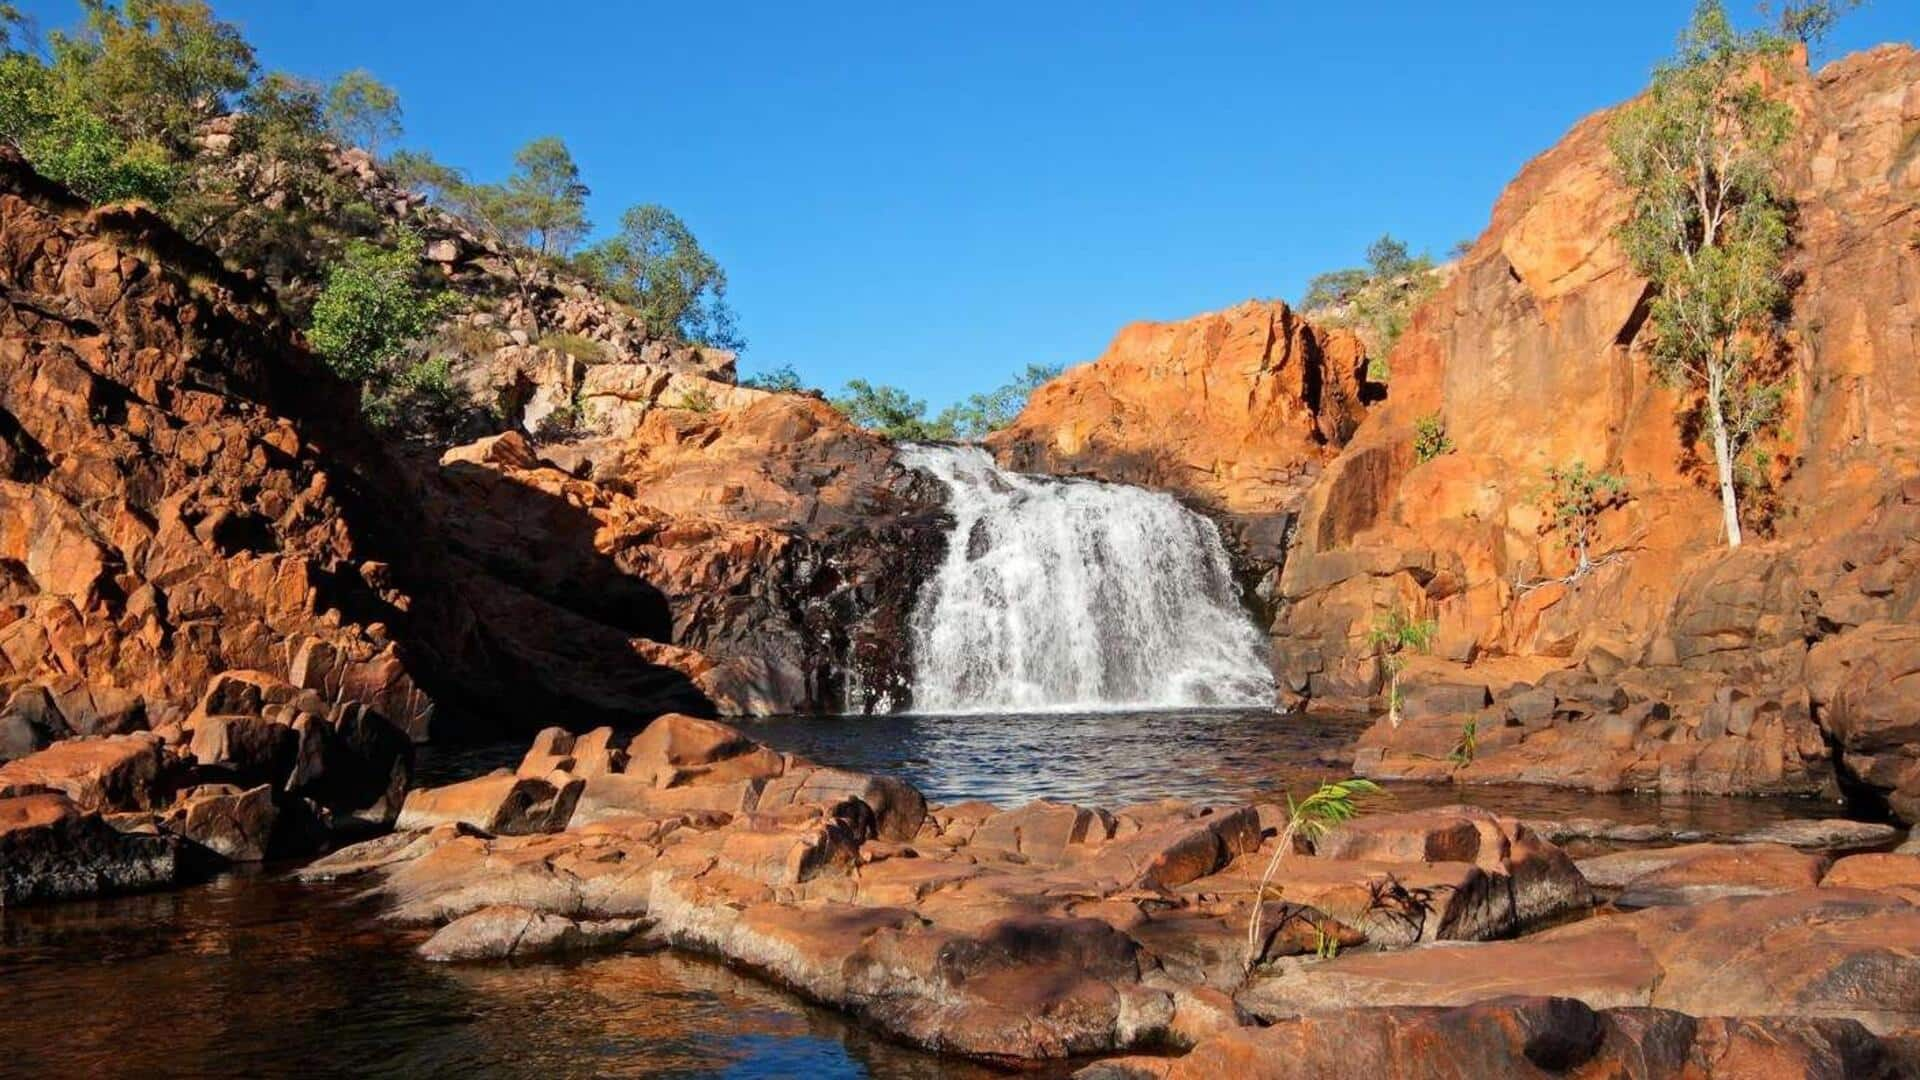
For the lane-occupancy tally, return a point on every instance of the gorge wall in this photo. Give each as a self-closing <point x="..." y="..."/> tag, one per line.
<point x="1676" y="663"/>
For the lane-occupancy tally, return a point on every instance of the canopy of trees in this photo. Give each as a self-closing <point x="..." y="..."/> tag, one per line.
<point x="894" y="413"/>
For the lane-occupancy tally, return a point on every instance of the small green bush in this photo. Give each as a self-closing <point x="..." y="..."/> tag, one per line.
<point x="1430" y="438"/>
<point x="698" y="399"/>
<point x="1575" y="498"/>
<point x="581" y="348"/>
<point x="373" y="309"/>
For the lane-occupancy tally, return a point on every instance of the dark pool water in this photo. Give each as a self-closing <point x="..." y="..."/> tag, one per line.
<point x="254" y="975"/>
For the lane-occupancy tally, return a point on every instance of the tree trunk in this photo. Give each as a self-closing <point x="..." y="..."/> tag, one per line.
<point x="1723" y="458"/>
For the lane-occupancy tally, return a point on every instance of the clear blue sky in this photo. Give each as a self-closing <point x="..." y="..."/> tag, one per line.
<point x="937" y="195"/>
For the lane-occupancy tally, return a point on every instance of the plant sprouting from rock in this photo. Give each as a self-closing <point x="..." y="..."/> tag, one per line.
<point x="1575" y="498"/>
<point x="1810" y="21"/>
<point x="1392" y="637"/>
<point x="1468" y="744"/>
<point x="1330" y="806"/>
<point x="1707" y="227"/>
<point x="1430" y="438"/>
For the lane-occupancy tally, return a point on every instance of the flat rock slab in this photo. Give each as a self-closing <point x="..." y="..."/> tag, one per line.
<point x="1694" y="873"/>
<point x="1813" y="953"/>
<point x="1531" y="1037"/>
<point x="511" y="932"/>
<point x="1831" y="834"/>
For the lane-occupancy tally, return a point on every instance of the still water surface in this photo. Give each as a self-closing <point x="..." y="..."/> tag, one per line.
<point x="254" y="975"/>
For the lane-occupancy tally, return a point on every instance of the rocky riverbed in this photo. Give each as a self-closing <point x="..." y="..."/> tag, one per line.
<point x="1051" y="931"/>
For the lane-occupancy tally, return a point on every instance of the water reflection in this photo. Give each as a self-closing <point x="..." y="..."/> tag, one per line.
<point x="1115" y="758"/>
<point x="258" y="976"/>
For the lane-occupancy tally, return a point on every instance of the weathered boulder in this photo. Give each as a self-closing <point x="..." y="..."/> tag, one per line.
<point x="233" y="824"/>
<point x="502" y="803"/>
<point x="51" y="850"/>
<point x="118" y="772"/>
<point x="1539" y="879"/>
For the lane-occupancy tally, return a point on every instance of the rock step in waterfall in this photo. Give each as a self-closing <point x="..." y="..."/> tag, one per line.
<point x="1069" y="595"/>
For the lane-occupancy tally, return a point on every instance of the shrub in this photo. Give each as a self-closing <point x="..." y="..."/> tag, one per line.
<point x="696" y="399"/>
<point x="373" y="309"/>
<point x="781" y="380"/>
<point x="1575" y="498"/>
<point x="1392" y="637"/>
<point x="1377" y="300"/>
<point x="1330" y="806"/>
<point x="1430" y="438"/>
<point x="581" y="348"/>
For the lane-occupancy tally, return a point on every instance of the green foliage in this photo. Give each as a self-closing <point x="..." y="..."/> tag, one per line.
<point x="154" y="70"/>
<point x="1430" y="438"/>
<point x="420" y="399"/>
<point x="418" y="171"/>
<point x="1708" y="227"/>
<point x="888" y="410"/>
<point x="981" y="415"/>
<point x="584" y="349"/>
<point x="781" y="380"/>
<point x="655" y="264"/>
<point x="1575" y="498"/>
<point x="1330" y="806"/>
<point x="1810" y="21"/>
<point x="1377" y="300"/>
<point x="1464" y="750"/>
<point x="372" y="310"/>
<point x="362" y="111"/>
<point x="67" y="143"/>
<point x="894" y="413"/>
<point x="1391" y="637"/>
<point x="697" y="399"/>
<point x="548" y="203"/>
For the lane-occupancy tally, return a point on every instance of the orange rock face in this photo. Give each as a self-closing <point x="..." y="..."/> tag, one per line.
<point x="1234" y="409"/>
<point x="161" y="516"/>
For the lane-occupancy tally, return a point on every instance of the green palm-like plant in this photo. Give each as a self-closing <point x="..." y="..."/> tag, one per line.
<point x="1392" y="637"/>
<point x="1330" y="806"/>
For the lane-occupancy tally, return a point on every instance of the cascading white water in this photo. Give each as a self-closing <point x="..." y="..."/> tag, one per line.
<point x="1075" y="595"/>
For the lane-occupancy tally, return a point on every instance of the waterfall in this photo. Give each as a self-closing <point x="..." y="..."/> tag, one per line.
<point x="1075" y="595"/>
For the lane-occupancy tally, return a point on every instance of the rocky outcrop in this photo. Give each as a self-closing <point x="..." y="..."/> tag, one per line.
<point x="1233" y="409"/>
<point x="1742" y="671"/>
<point x="760" y="559"/>
<point x="187" y="492"/>
<point x="1053" y="930"/>
<point x="1532" y="357"/>
<point x="1234" y="412"/>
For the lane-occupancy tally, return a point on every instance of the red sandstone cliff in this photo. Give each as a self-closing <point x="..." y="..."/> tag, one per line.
<point x="1677" y="664"/>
